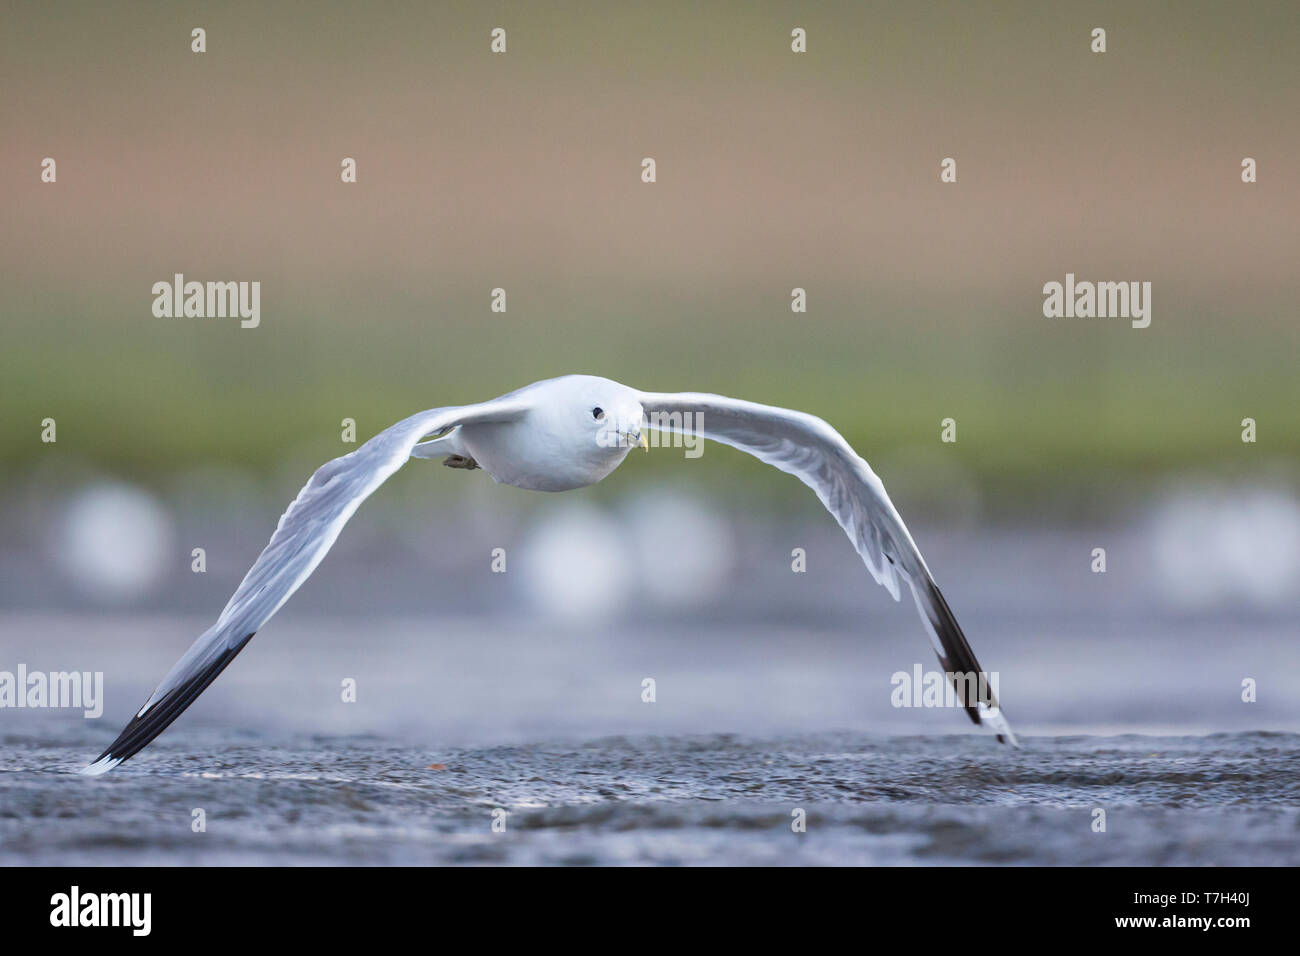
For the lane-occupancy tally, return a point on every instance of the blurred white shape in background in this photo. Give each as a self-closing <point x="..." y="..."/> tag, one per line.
<point x="684" y="550"/>
<point x="1220" y="545"/>
<point x="575" y="565"/>
<point x="113" y="541"/>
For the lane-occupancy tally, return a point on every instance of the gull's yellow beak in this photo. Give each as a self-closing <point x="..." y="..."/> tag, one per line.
<point x="644" y="444"/>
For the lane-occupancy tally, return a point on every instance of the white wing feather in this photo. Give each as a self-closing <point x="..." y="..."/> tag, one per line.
<point x="305" y="533"/>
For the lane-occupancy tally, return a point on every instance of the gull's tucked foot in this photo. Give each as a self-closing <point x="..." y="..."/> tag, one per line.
<point x="460" y="461"/>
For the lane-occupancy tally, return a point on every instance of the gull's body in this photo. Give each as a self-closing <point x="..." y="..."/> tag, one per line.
<point x="557" y="435"/>
<point x="538" y="447"/>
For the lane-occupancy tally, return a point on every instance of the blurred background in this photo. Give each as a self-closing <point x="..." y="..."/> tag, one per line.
<point x="774" y="171"/>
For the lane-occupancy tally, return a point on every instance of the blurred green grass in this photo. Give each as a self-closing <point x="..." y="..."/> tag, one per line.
<point x="1039" y="407"/>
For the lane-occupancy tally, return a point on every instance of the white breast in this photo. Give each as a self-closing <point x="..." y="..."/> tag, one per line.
<point x="530" y="454"/>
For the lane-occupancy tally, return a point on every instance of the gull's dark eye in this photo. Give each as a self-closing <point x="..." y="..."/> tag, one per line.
<point x="598" y="413"/>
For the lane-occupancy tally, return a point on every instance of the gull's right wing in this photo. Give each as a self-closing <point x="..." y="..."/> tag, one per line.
<point x="306" y="532"/>
<point x="808" y="448"/>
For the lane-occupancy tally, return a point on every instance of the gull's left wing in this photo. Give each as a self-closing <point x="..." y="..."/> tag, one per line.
<point x="806" y="447"/>
<point x="306" y="532"/>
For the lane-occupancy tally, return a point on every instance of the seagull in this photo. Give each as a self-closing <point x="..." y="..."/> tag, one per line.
<point x="557" y="435"/>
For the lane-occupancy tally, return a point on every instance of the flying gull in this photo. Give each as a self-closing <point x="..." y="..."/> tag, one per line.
<point x="556" y="435"/>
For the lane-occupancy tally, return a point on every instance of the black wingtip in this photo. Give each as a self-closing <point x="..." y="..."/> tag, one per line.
<point x="957" y="657"/>
<point x="142" y="729"/>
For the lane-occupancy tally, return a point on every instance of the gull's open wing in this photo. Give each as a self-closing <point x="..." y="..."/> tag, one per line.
<point x="306" y="532"/>
<point x="808" y="448"/>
